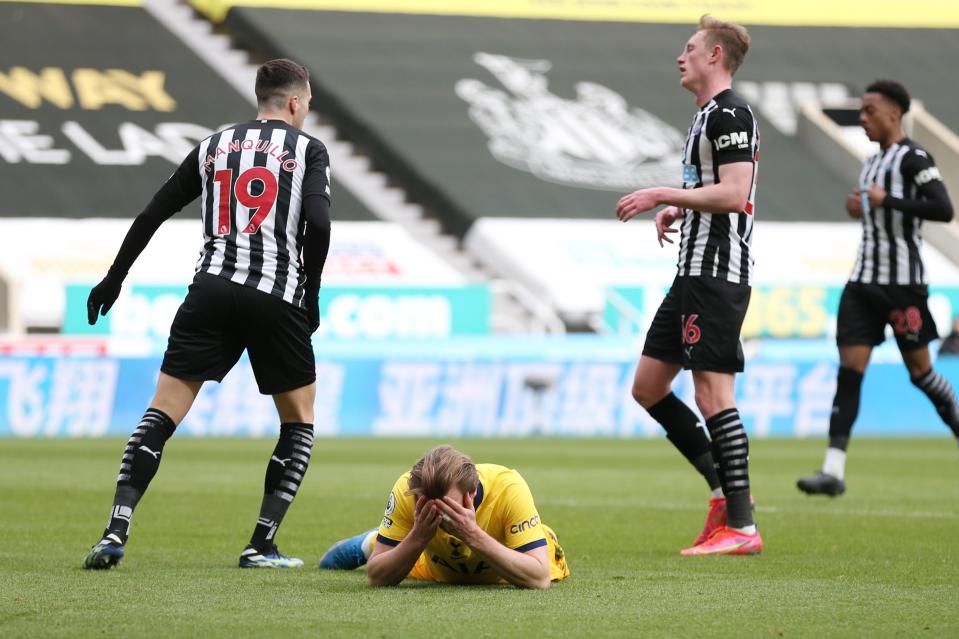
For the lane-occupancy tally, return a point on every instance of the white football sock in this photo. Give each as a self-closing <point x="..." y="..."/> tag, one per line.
<point x="835" y="463"/>
<point x="368" y="542"/>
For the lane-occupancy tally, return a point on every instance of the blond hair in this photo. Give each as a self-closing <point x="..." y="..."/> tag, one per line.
<point x="439" y="470"/>
<point x="732" y="37"/>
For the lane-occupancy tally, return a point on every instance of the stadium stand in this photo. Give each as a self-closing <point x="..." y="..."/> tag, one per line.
<point x="91" y="126"/>
<point x="403" y="85"/>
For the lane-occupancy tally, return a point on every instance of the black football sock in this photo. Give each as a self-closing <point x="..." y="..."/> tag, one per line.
<point x="284" y="473"/>
<point x="731" y="452"/>
<point x="683" y="430"/>
<point x="140" y="462"/>
<point x="845" y="407"/>
<point x="943" y="397"/>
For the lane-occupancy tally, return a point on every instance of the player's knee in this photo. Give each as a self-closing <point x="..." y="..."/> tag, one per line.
<point x="709" y="402"/>
<point x="647" y="395"/>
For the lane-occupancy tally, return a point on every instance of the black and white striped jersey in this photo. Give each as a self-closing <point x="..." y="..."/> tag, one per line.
<point x="252" y="180"/>
<point x="723" y="131"/>
<point x="890" y="249"/>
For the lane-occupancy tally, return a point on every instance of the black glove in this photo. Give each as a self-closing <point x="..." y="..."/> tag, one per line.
<point x="313" y="309"/>
<point x="103" y="295"/>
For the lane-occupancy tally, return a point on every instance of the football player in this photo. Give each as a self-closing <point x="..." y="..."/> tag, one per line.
<point x="452" y="521"/>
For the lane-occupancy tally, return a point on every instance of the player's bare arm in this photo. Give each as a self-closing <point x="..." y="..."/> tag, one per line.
<point x="526" y="570"/>
<point x="389" y="566"/>
<point x="729" y="195"/>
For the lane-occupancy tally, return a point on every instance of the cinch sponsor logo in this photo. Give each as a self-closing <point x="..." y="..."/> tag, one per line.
<point x="532" y="522"/>
<point x="740" y="140"/>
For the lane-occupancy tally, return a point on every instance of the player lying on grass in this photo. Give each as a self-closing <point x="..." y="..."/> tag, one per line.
<point x="452" y="521"/>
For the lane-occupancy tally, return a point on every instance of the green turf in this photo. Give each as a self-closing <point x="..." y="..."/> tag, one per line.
<point x="881" y="561"/>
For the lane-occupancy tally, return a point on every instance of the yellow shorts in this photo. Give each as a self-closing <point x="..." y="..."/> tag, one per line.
<point x="558" y="569"/>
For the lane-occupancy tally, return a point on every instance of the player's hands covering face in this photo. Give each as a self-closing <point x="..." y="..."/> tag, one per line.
<point x="459" y="518"/>
<point x="426" y="519"/>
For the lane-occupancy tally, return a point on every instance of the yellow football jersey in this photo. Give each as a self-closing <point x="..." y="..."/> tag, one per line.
<point x="504" y="509"/>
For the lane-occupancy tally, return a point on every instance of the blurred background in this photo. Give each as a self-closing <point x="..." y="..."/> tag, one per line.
<point x="478" y="282"/>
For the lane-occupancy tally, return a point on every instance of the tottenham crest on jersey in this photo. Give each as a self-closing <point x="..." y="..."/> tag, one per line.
<point x="595" y="141"/>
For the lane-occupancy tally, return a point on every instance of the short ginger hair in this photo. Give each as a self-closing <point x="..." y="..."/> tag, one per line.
<point x="732" y="37"/>
<point x="439" y="470"/>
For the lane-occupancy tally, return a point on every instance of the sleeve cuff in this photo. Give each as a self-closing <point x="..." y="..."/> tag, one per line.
<point x="531" y="545"/>
<point x="392" y="542"/>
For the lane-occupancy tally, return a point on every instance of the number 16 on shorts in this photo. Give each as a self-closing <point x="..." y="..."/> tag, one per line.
<point x="691" y="332"/>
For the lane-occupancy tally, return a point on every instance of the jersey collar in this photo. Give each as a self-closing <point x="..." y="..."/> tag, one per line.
<point x="716" y="97"/>
<point x="478" y="498"/>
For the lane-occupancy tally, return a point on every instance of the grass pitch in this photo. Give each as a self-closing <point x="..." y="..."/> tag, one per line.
<point x="881" y="561"/>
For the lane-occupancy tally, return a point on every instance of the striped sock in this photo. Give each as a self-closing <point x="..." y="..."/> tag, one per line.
<point x="140" y="462"/>
<point x="731" y="453"/>
<point x="939" y="391"/>
<point x="284" y="474"/>
<point x="683" y="430"/>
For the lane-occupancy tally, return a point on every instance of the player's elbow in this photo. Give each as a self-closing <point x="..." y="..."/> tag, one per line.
<point x="737" y="201"/>
<point x="729" y="200"/>
<point x="376" y="578"/>
<point x="375" y="581"/>
<point x="541" y="584"/>
<point x="948" y="212"/>
<point x="538" y="580"/>
<point x="532" y="583"/>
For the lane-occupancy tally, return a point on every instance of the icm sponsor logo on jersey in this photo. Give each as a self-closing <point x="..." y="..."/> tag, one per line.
<point x="595" y="141"/>
<point x="740" y="140"/>
<point x="928" y="175"/>
<point x="532" y="522"/>
<point x="387" y="522"/>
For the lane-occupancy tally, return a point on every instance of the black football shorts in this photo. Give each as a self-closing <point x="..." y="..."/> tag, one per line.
<point x="866" y="309"/>
<point x="698" y="325"/>
<point x="219" y="319"/>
